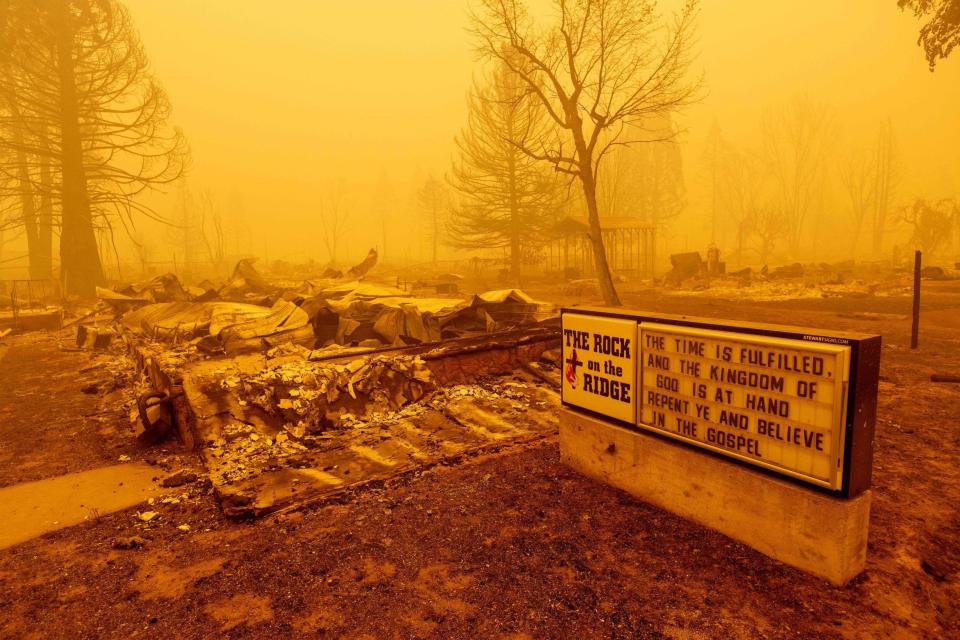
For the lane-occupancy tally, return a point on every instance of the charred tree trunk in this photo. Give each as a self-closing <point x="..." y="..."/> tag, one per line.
<point x="436" y="232"/>
<point x="80" y="267"/>
<point x="515" y="227"/>
<point x="28" y="210"/>
<point x="45" y="222"/>
<point x="589" y="182"/>
<point x="607" y="288"/>
<point x="515" y="250"/>
<point x="383" y="231"/>
<point x="28" y="204"/>
<point x="741" y="232"/>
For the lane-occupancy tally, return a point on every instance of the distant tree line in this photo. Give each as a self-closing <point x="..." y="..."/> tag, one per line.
<point x="783" y="197"/>
<point x="768" y="195"/>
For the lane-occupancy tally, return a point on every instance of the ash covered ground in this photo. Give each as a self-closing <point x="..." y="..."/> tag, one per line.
<point x="314" y="484"/>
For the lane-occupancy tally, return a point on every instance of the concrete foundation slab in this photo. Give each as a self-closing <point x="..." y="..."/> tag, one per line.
<point x="802" y="527"/>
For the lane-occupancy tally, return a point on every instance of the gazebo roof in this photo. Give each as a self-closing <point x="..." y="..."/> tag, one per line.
<point x="580" y="224"/>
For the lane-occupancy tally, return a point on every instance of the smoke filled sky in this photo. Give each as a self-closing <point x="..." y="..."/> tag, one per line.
<point x="279" y="99"/>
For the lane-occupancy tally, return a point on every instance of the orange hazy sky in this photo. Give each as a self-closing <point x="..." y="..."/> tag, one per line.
<point x="280" y="98"/>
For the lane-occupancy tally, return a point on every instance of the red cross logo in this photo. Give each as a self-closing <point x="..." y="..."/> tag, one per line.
<point x="572" y="364"/>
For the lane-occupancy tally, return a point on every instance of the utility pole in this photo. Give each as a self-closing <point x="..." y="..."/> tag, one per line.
<point x="915" y="330"/>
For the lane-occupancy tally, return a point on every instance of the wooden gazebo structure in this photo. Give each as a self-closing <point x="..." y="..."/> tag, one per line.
<point x="630" y="244"/>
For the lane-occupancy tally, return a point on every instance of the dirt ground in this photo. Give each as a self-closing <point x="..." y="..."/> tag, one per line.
<point x="48" y="426"/>
<point x="506" y="545"/>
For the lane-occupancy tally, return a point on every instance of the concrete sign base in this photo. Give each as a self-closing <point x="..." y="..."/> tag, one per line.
<point x="799" y="526"/>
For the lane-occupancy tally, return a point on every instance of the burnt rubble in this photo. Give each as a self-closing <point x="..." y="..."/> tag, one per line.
<point x="295" y="391"/>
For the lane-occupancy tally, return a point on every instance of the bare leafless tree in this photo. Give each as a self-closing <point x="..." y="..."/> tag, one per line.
<point x="210" y="228"/>
<point x="932" y="222"/>
<point x="795" y="142"/>
<point x="714" y="159"/>
<point x="856" y="176"/>
<point x="659" y="175"/>
<point x="433" y="200"/>
<point x="767" y="226"/>
<point x="601" y="71"/>
<point x="142" y="247"/>
<point x="334" y="216"/>
<point x="743" y="197"/>
<point x="885" y="176"/>
<point x="644" y="181"/>
<point x="383" y="208"/>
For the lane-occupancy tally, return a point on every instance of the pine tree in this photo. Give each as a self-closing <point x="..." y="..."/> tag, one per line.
<point x="505" y="197"/>
<point x="82" y="98"/>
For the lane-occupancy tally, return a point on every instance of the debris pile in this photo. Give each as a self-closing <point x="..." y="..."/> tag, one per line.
<point x="297" y="388"/>
<point x="684" y="266"/>
<point x="249" y="313"/>
<point x="221" y="327"/>
<point x="254" y="473"/>
<point x="691" y="275"/>
<point x="311" y="397"/>
<point x="242" y="452"/>
<point x="93" y="337"/>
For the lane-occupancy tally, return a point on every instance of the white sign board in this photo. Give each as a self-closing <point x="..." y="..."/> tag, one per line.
<point x="599" y="365"/>
<point x="772" y="402"/>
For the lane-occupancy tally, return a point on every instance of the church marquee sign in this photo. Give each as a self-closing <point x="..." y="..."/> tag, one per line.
<point x="796" y="402"/>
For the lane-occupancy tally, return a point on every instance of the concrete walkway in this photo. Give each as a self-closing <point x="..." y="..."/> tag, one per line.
<point x="31" y="509"/>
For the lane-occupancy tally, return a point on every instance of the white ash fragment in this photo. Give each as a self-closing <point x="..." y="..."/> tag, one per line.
<point x="241" y="452"/>
<point x="312" y="397"/>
